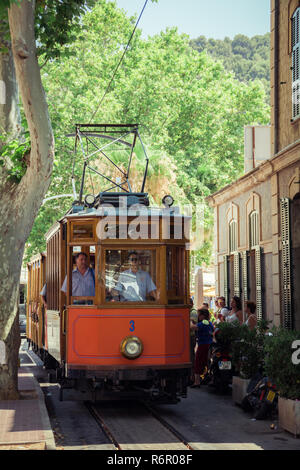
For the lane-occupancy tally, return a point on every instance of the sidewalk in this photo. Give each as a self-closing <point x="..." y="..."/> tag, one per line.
<point x="24" y="423"/>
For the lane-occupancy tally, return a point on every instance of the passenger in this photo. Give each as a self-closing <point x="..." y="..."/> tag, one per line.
<point x="83" y="280"/>
<point x="134" y="284"/>
<point x="250" y="308"/>
<point x="236" y="313"/>
<point x="43" y="293"/>
<point x="204" y="330"/>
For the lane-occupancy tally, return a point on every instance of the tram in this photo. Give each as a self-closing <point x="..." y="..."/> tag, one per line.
<point x="120" y="329"/>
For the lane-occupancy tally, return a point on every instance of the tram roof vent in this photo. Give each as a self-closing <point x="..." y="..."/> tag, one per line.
<point x="118" y="199"/>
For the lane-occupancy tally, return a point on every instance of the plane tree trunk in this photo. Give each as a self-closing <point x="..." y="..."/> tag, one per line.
<point x="20" y="200"/>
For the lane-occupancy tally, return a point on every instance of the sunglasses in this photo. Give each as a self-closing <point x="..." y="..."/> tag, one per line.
<point x="133" y="259"/>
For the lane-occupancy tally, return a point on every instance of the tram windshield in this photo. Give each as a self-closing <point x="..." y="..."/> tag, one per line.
<point x="130" y="276"/>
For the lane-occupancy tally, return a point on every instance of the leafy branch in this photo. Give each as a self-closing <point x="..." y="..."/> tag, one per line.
<point x="14" y="157"/>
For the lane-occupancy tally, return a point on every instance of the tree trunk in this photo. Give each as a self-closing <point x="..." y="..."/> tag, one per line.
<point x="20" y="202"/>
<point x="9" y="371"/>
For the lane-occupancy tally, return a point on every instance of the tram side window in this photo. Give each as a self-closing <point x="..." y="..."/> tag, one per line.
<point x="83" y="231"/>
<point x="130" y="276"/>
<point x="176" y="275"/>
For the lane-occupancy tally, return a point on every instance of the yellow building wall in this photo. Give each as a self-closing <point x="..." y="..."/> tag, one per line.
<point x="288" y="131"/>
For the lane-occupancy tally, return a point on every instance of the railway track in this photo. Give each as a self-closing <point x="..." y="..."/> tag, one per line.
<point x="136" y="426"/>
<point x="126" y="425"/>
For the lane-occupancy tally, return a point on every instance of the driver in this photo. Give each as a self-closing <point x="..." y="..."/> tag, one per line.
<point x="134" y="284"/>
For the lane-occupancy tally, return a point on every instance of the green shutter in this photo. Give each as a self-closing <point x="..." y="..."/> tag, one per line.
<point x="296" y="63"/>
<point x="236" y="274"/>
<point x="259" y="282"/>
<point x="226" y="287"/>
<point x="286" y="263"/>
<point x="245" y="275"/>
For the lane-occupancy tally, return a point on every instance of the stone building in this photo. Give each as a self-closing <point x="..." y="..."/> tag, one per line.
<point x="257" y="217"/>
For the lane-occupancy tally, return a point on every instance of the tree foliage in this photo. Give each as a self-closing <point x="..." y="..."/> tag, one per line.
<point x="247" y="58"/>
<point x="191" y="110"/>
<point x="26" y="151"/>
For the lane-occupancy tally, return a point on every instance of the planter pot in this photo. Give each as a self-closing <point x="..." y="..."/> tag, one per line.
<point x="239" y="389"/>
<point x="289" y="415"/>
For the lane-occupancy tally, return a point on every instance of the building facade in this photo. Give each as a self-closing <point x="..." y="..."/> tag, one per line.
<point x="257" y="217"/>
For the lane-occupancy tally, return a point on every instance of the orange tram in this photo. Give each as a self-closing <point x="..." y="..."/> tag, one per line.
<point x="130" y="336"/>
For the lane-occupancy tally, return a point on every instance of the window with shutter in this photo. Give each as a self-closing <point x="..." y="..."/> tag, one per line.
<point x="259" y="282"/>
<point x="254" y="229"/>
<point x="236" y="274"/>
<point x="286" y="263"/>
<point x="296" y="63"/>
<point x="245" y="275"/>
<point x="226" y="283"/>
<point x="233" y="236"/>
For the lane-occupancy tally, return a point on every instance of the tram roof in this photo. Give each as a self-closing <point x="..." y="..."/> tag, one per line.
<point x="78" y="212"/>
<point x="102" y="211"/>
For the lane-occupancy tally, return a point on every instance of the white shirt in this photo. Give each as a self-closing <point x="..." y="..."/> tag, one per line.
<point x="225" y="312"/>
<point x="232" y="318"/>
<point x="135" y="286"/>
<point x="44" y="290"/>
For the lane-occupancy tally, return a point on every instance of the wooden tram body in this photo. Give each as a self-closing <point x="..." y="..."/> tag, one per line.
<point x="82" y="342"/>
<point x="35" y="310"/>
<point x="87" y="340"/>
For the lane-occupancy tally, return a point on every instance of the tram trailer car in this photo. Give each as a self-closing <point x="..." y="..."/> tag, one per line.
<point x="104" y="347"/>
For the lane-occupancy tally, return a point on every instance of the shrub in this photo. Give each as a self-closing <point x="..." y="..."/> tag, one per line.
<point x="228" y="333"/>
<point x="278" y="362"/>
<point x="248" y="350"/>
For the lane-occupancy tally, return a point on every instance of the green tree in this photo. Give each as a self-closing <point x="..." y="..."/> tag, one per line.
<point x="26" y="158"/>
<point x="247" y="58"/>
<point x="191" y="110"/>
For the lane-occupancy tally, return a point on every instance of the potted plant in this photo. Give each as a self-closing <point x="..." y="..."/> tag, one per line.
<point x="247" y="352"/>
<point x="282" y="366"/>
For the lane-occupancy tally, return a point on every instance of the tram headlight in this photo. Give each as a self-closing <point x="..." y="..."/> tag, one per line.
<point x="167" y="200"/>
<point x="89" y="200"/>
<point x="131" y="347"/>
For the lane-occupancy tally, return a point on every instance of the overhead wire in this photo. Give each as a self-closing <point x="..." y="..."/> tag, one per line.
<point x="120" y="62"/>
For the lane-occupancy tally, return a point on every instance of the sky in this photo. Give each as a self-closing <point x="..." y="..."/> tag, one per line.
<point x="211" y="18"/>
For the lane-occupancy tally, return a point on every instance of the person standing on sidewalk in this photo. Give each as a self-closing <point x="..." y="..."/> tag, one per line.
<point x="204" y="331"/>
<point x="236" y="313"/>
<point x="224" y="311"/>
<point x="251" y="321"/>
<point x="193" y="321"/>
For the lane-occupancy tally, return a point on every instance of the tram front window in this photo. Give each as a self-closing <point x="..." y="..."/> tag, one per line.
<point x="130" y="276"/>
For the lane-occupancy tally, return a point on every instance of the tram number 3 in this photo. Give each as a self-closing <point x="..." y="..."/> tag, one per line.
<point x="132" y="325"/>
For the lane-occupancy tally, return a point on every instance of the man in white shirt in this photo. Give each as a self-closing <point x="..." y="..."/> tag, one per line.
<point x="134" y="284"/>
